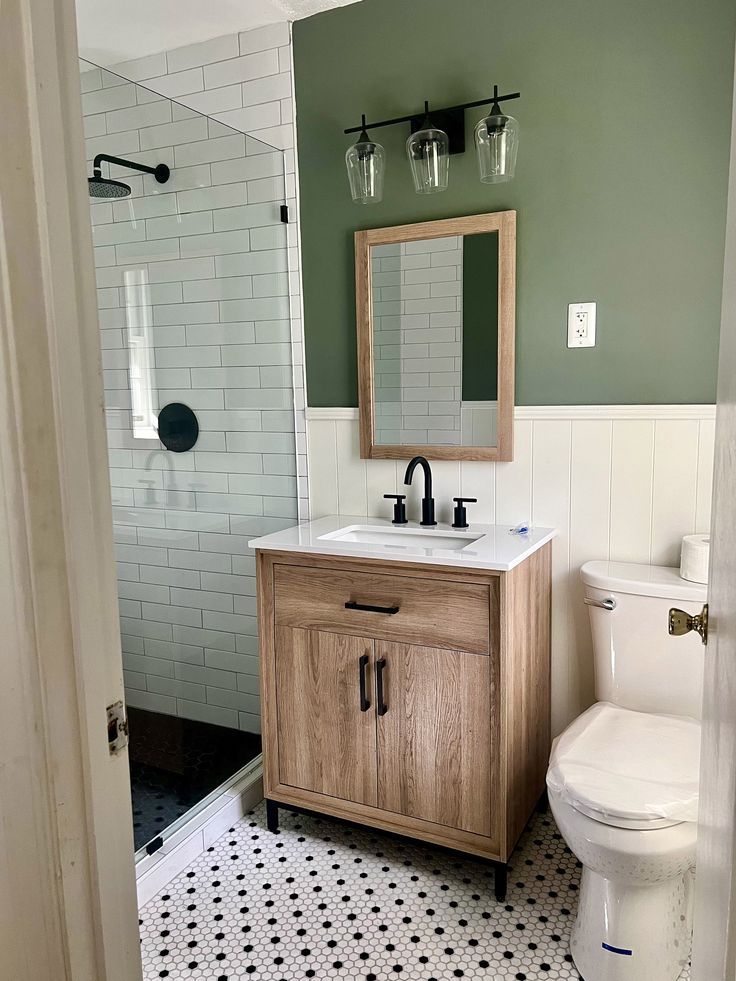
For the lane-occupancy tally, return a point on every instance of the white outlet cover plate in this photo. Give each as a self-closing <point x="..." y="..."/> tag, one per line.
<point x="581" y="325"/>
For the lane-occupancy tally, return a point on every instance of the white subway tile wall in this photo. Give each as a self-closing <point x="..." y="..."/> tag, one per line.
<point x="194" y="298"/>
<point x="604" y="476"/>
<point x="245" y="81"/>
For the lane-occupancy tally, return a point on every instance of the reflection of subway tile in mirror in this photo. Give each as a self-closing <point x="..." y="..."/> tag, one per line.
<point x="423" y="395"/>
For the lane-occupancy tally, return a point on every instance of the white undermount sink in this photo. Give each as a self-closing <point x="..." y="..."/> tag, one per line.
<point x="403" y="538"/>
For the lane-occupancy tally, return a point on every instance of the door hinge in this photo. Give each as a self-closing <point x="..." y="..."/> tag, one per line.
<point x="285" y="213"/>
<point x="117" y="728"/>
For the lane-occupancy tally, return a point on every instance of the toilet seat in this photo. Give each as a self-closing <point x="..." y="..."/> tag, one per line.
<point x="628" y="769"/>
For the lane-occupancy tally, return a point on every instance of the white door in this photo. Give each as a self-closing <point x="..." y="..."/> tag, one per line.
<point x="714" y="947"/>
<point x="67" y="882"/>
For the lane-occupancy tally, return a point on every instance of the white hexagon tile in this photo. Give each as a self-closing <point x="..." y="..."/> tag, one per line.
<point x="321" y="899"/>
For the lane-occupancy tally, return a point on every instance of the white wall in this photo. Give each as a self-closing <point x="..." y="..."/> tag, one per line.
<point x="618" y="482"/>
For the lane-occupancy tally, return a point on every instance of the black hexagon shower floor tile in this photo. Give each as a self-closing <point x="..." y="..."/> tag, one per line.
<point x="325" y="900"/>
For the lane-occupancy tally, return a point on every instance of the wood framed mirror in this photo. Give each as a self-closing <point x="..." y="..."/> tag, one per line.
<point x="435" y="304"/>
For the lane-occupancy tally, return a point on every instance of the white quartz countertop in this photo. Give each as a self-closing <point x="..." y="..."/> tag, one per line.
<point x="493" y="547"/>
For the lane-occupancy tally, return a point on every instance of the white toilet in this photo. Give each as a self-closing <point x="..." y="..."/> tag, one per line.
<point x="623" y="777"/>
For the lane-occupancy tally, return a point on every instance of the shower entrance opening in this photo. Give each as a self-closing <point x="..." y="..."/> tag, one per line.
<point x="192" y="274"/>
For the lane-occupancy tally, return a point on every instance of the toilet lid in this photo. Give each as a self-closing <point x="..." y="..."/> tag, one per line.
<point x="630" y="769"/>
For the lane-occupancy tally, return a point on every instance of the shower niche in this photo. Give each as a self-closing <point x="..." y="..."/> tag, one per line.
<point x="191" y="262"/>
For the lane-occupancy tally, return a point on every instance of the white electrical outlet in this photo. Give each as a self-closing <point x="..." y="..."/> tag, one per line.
<point x="581" y="325"/>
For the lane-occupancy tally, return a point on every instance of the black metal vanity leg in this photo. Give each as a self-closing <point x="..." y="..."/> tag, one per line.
<point x="500" y="881"/>
<point x="543" y="803"/>
<point x="272" y="815"/>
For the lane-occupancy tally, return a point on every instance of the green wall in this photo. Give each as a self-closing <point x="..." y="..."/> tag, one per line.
<point x="480" y="317"/>
<point x="620" y="187"/>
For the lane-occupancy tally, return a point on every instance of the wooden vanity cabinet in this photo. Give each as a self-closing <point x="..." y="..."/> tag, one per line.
<point x="407" y="697"/>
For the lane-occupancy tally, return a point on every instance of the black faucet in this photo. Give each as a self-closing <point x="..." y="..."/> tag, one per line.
<point x="427" y="501"/>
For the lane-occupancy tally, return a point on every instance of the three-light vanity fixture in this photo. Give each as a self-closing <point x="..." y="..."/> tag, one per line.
<point x="434" y="136"/>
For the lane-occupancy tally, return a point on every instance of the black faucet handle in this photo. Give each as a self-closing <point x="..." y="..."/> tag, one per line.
<point x="399" y="508"/>
<point x="460" y="516"/>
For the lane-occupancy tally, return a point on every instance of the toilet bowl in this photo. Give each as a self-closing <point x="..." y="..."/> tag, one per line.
<point x="623" y="779"/>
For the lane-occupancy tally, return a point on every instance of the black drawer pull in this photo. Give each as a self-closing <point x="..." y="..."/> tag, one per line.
<point x="352" y="605"/>
<point x="364" y="703"/>
<point x="381" y="707"/>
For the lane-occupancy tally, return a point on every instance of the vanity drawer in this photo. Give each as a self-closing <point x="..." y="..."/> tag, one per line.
<point x="435" y="613"/>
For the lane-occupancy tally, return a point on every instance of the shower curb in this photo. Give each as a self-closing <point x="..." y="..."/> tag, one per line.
<point x="235" y="798"/>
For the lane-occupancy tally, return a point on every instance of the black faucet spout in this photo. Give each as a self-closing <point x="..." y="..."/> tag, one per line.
<point x="428" y="517"/>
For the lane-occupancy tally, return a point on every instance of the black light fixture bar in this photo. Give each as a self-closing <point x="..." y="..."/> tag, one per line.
<point x="447" y="109"/>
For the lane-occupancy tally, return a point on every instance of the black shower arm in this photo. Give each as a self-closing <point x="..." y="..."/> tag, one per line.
<point x="121" y="163"/>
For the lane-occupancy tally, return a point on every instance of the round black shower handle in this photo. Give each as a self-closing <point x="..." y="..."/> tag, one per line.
<point x="178" y="428"/>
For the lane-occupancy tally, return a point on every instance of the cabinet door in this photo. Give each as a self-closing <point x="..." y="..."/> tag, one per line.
<point x="327" y="743"/>
<point x="434" y="737"/>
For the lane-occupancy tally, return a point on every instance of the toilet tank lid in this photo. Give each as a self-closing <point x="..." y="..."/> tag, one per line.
<point x="642" y="580"/>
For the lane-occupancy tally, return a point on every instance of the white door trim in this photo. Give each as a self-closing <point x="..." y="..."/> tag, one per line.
<point x="65" y="839"/>
<point x="714" y="938"/>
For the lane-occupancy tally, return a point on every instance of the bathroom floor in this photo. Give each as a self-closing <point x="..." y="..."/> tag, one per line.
<point x="325" y="900"/>
<point x="175" y="763"/>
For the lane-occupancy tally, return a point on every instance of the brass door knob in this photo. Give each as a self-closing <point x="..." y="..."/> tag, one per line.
<point x="682" y="623"/>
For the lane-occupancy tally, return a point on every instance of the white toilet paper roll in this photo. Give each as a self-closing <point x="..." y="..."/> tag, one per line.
<point x="694" y="558"/>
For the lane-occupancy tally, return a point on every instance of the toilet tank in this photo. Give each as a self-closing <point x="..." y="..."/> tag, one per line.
<point x="637" y="664"/>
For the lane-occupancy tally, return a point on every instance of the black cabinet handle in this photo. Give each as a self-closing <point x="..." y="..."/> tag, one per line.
<point x="352" y="605"/>
<point x="364" y="703"/>
<point x="381" y="708"/>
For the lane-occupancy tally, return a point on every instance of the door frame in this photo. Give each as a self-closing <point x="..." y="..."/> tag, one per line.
<point x="714" y="935"/>
<point x="66" y="841"/>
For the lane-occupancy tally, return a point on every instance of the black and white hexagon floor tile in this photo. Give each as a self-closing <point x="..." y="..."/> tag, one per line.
<point x="324" y="900"/>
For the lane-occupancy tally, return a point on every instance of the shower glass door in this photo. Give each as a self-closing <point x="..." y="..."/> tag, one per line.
<point x="193" y="295"/>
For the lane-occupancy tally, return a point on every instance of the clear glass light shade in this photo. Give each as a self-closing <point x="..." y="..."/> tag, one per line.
<point x="429" y="155"/>
<point x="496" y="141"/>
<point x="366" y="164"/>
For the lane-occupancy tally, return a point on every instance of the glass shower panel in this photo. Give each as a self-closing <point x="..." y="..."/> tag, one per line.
<point x="193" y="295"/>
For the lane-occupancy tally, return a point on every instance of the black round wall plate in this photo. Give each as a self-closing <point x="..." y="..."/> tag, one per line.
<point x="178" y="428"/>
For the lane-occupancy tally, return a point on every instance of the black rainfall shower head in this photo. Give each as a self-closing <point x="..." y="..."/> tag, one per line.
<point x="100" y="187"/>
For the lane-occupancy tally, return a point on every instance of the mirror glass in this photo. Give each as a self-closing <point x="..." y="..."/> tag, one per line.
<point x="435" y="340"/>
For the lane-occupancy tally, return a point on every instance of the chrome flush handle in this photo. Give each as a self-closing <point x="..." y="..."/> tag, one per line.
<point x="681" y="623"/>
<point x="609" y="603"/>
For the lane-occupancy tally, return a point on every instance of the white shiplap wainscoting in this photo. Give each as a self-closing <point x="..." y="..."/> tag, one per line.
<point x="619" y="482"/>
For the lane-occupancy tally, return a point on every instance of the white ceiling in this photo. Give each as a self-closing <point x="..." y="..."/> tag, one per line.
<point x="111" y="31"/>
